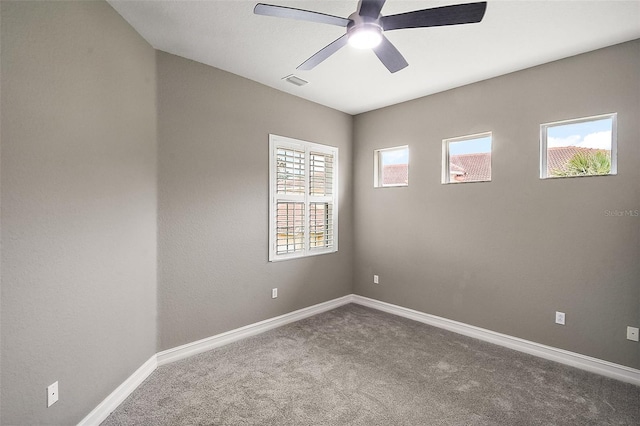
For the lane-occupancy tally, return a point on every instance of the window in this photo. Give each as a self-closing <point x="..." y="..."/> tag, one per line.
<point x="467" y="159"/>
<point x="303" y="211"/>
<point x="580" y="147"/>
<point x="391" y="167"/>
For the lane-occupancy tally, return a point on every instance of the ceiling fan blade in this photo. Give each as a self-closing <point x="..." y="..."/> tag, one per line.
<point x="323" y="54"/>
<point x="299" y="14"/>
<point x="390" y="56"/>
<point x="438" y="16"/>
<point x="370" y="8"/>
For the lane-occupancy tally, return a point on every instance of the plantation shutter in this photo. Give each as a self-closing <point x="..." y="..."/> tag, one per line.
<point x="290" y="190"/>
<point x="303" y="207"/>
<point x="321" y="200"/>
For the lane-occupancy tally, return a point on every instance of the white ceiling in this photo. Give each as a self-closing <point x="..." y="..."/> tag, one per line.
<point x="515" y="34"/>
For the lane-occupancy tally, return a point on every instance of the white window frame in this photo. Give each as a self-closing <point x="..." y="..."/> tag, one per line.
<point x="276" y="142"/>
<point x="446" y="173"/>
<point x="377" y="167"/>
<point x="614" y="143"/>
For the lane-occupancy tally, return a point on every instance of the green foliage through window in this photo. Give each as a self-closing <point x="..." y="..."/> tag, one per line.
<point x="586" y="164"/>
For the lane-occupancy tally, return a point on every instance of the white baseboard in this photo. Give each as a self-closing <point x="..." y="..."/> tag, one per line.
<point x="190" y="349"/>
<point x="594" y="365"/>
<point x="110" y="403"/>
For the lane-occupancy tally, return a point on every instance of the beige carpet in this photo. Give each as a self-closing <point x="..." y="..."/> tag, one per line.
<point x="358" y="366"/>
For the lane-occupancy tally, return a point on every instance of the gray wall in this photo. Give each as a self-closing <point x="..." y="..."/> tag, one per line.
<point x="78" y="207"/>
<point x="505" y="255"/>
<point x="214" y="273"/>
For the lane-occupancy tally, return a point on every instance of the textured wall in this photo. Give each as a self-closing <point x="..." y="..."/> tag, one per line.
<point x="78" y="207"/>
<point x="214" y="274"/>
<point x="505" y="255"/>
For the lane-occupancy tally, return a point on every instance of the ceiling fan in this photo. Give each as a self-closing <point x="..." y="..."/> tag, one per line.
<point x="365" y="27"/>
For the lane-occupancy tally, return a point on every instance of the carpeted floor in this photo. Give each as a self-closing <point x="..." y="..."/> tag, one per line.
<point x="358" y="366"/>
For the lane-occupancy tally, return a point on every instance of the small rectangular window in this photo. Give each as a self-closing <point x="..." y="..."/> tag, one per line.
<point x="391" y="167"/>
<point x="467" y="159"/>
<point x="580" y="147"/>
<point x="303" y="212"/>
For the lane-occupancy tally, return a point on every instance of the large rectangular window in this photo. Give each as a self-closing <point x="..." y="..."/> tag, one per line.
<point x="391" y="167"/>
<point x="467" y="159"/>
<point x="303" y="211"/>
<point x="580" y="147"/>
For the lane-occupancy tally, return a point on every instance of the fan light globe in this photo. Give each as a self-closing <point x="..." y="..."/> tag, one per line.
<point x="365" y="36"/>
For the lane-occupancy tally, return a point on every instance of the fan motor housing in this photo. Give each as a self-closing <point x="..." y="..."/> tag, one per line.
<point x="357" y="21"/>
<point x="363" y="24"/>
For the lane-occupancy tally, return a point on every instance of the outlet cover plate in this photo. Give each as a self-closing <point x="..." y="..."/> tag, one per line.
<point x="376" y="279"/>
<point x="560" y="318"/>
<point x="632" y="333"/>
<point x="52" y="394"/>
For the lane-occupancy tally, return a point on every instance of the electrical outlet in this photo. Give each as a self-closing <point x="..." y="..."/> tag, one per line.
<point x="560" y="318"/>
<point x="376" y="279"/>
<point x="52" y="394"/>
<point x="632" y="333"/>
<point x="274" y="293"/>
